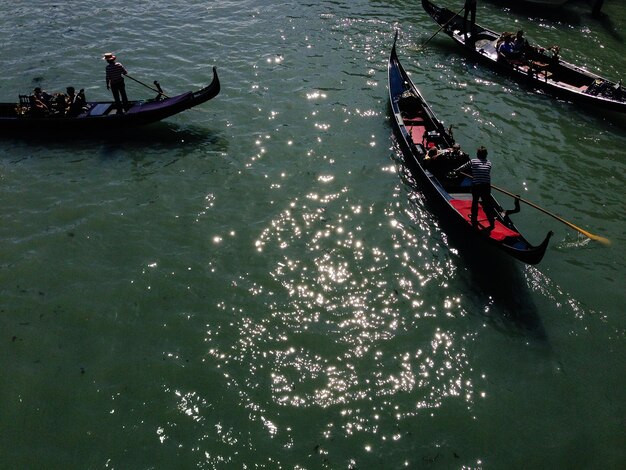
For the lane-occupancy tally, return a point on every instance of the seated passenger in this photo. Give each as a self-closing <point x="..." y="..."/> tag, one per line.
<point x="37" y="107"/>
<point x="520" y="45"/>
<point x="75" y="102"/>
<point x="447" y="160"/>
<point x="71" y="94"/>
<point x="433" y="161"/>
<point x="42" y="96"/>
<point x="80" y="98"/>
<point x="505" y="49"/>
<point x="500" y="40"/>
<point x="57" y="103"/>
<point x="506" y="46"/>
<point x="454" y="153"/>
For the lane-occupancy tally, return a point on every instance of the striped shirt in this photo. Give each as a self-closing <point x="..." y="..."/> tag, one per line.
<point x="114" y="73"/>
<point x="481" y="170"/>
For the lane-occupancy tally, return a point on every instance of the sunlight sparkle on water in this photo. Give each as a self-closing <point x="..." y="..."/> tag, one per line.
<point x="325" y="178"/>
<point x="276" y="60"/>
<point x="315" y="95"/>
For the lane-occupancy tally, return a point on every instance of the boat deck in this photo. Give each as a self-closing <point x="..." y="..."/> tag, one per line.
<point x="462" y="202"/>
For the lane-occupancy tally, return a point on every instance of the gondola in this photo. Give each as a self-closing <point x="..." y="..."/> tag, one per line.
<point x="102" y="115"/>
<point x="417" y="129"/>
<point x="539" y="67"/>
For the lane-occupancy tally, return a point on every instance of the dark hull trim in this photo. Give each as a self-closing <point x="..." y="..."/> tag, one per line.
<point x="563" y="80"/>
<point x="435" y="188"/>
<point x="101" y="116"/>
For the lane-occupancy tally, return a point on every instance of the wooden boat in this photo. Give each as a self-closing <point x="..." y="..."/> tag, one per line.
<point x="102" y="115"/>
<point x="417" y="129"/>
<point x="538" y="67"/>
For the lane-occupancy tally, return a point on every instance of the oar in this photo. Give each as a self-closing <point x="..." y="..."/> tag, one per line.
<point x="147" y="86"/>
<point x="439" y="30"/>
<point x="604" y="241"/>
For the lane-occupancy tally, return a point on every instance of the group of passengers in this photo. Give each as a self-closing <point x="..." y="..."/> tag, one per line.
<point x="452" y="153"/>
<point x="441" y="161"/>
<point x="69" y="104"/>
<point x="512" y="47"/>
<point x="515" y="49"/>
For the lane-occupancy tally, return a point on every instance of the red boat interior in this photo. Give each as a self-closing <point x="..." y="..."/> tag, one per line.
<point x="416" y="129"/>
<point x="500" y="231"/>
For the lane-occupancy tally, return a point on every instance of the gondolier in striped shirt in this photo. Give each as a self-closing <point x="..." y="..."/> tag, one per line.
<point x="115" y="81"/>
<point x="481" y="186"/>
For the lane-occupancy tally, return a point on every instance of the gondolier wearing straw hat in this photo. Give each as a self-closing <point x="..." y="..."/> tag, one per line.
<point x="115" y="81"/>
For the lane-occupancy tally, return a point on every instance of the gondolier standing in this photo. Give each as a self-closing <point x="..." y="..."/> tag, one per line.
<point x="470" y="10"/>
<point x="115" y="81"/>
<point x="481" y="186"/>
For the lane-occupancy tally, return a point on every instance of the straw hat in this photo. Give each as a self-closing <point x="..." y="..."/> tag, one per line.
<point x="109" y="56"/>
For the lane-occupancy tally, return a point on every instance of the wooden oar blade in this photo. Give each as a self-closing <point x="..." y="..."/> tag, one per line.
<point x="598" y="238"/>
<point x="604" y="241"/>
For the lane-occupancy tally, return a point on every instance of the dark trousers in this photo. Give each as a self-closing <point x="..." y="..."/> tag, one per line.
<point x="482" y="192"/>
<point x="469" y="11"/>
<point x="119" y="89"/>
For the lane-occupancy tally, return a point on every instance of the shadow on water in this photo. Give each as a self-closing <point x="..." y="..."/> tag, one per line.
<point x="563" y="14"/>
<point x="555" y="14"/>
<point x="600" y="17"/>
<point x="498" y="281"/>
<point x="160" y="135"/>
<point x="609" y="121"/>
<point x="607" y="23"/>
<point x="170" y="136"/>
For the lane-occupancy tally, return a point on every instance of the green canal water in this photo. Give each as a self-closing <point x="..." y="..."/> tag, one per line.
<point x="256" y="283"/>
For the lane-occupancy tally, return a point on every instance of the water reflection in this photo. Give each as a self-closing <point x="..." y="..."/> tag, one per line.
<point x="353" y="319"/>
